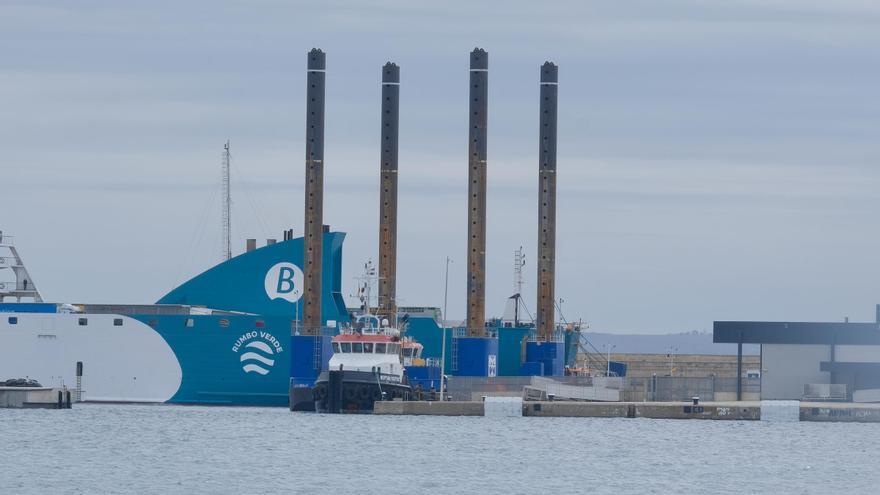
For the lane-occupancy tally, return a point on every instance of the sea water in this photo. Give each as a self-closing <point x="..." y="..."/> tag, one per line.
<point x="178" y="449"/>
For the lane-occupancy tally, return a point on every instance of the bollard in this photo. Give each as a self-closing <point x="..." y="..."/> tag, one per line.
<point x="696" y="400"/>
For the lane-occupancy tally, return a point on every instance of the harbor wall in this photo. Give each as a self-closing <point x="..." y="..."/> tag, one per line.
<point x="34" y="398"/>
<point x="724" y="411"/>
<point x="428" y="408"/>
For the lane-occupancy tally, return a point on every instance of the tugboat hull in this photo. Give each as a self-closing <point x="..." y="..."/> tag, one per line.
<point x="354" y="392"/>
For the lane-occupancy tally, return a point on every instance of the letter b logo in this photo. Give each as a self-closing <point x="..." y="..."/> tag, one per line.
<point x="284" y="281"/>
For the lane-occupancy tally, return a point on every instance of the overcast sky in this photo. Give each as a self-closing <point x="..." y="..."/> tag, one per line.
<point x="717" y="160"/>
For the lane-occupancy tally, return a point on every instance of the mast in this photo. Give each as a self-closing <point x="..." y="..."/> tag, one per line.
<point x="519" y="261"/>
<point x="227" y="205"/>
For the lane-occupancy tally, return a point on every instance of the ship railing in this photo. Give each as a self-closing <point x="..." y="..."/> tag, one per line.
<point x="12" y="286"/>
<point x="6" y="240"/>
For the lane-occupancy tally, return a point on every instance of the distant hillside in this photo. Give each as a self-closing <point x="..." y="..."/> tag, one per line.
<point x="687" y="343"/>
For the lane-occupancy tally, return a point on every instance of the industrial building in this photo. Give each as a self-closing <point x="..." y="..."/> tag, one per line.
<point x="810" y="360"/>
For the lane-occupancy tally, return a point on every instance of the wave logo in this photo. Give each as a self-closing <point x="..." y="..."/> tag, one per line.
<point x="258" y="352"/>
<point x="284" y="281"/>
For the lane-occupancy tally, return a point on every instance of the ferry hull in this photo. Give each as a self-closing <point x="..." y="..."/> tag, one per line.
<point x="222" y="337"/>
<point x="183" y="359"/>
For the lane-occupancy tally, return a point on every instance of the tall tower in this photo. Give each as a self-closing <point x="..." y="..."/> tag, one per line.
<point x="547" y="202"/>
<point x="478" y="121"/>
<point x="227" y="204"/>
<point x="388" y="192"/>
<point x="314" y="193"/>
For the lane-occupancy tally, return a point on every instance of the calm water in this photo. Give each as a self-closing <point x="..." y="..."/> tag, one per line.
<point x="170" y="449"/>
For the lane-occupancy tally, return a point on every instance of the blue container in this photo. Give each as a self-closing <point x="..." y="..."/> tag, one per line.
<point x="532" y="369"/>
<point x="511" y="349"/>
<point x="304" y="367"/>
<point x="426" y="376"/>
<point x="477" y="356"/>
<point x="550" y="354"/>
<point x="617" y="368"/>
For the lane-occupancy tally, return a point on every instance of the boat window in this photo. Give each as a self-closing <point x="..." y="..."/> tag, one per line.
<point x="407" y="351"/>
<point x="393" y="348"/>
<point x="83" y="322"/>
<point x="357" y="347"/>
<point x="117" y="322"/>
<point x="380" y="348"/>
<point x="336" y="347"/>
<point x="346" y="347"/>
<point x="368" y="347"/>
<point x="13" y="320"/>
<point x="190" y="323"/>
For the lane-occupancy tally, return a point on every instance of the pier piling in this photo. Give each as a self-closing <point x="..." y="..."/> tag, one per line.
<point x="477" y="148"/>
<point x="388" y="192"/>
<point x="547" y="202"/>
<point x="314" y="193"/>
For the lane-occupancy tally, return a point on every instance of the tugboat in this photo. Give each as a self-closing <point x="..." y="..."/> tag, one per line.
<point x="366" y="367"/>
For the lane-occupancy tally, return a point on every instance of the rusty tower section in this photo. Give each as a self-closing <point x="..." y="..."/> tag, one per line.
<point x="547" y="202"/>
<point x="476" y="268"/>
<point x="388" y="192"/>
<point x="314" y="195"/>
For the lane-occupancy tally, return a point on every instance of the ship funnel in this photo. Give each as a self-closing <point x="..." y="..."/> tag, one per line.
<point x="388" y="192"/>
<point x="314" y="193"/>
<point x="547" y="202"/>
<point x="476" y="268"/>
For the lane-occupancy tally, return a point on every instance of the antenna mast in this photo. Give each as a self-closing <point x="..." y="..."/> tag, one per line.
<point x="519" y="261"/>
<point x="227" y="205"/>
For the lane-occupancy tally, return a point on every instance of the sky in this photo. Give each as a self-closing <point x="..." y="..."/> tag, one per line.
<point x="717" y="160"/>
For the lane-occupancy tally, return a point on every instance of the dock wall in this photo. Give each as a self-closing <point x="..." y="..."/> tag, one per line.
<point x="34" y="398"/>
<point x="726" y="411"/>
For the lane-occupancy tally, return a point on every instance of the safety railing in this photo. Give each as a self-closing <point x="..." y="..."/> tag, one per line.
<point x="825" y="391"/>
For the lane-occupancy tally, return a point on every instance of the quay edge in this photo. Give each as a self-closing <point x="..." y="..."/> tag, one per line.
<point x="725" y="411"/>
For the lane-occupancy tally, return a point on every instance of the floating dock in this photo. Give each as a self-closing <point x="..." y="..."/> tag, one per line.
<point x="737" y="411"/>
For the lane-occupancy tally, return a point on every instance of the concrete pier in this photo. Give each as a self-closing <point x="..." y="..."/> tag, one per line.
<point x="428" y="408"/>
<point x="726" y="411"/>
<point x="652" y="410"/>
<point x="34" y="398"/>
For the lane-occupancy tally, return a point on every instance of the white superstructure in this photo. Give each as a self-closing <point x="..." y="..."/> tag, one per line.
<point x="369" y="345"/>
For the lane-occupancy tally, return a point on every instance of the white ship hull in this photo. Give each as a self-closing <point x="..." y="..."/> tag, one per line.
<point x="126" y="363"/>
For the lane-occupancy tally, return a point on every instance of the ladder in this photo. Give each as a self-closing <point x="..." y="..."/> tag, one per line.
<point x="318" y="361"/>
